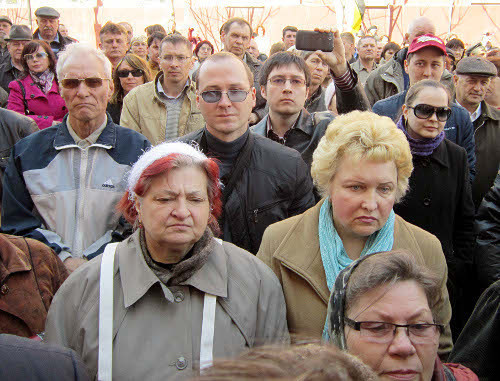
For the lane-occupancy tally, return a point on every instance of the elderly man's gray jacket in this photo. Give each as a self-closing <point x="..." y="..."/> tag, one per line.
<point x="156" y="328"/>
<point x="63" y="195"/>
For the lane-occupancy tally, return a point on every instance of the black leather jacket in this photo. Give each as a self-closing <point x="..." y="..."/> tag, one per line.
<point x="275" y="184"/>
<point x="488" y="238"/>
<point x="13" y="127"/>
<point x="306" y="133"/>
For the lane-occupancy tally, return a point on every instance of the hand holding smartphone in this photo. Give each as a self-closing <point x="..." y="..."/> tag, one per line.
<point x="312" y="41"/>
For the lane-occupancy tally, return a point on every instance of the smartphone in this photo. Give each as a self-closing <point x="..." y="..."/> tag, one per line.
<point x="312" y="41"/>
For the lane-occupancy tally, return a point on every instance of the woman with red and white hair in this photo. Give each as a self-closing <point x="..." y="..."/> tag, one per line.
<point x="171" y="297"/>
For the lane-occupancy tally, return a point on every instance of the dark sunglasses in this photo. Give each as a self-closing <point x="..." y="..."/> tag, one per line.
<point x="125" y="73"/>
<point x="214" y="96"/>
<point x="31" y="57"/>
<point x="423" y="111"/>
<point x="91" y="82"/>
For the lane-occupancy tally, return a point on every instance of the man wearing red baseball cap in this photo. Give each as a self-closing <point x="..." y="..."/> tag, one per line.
<point x="426" y="60"/>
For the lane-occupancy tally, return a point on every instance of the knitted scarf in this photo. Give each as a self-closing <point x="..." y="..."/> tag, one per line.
<point x="43" y="80"/>
<point x="176" y="274"/>
<point x="333" y="254"/>
<point x="420" y="147"/>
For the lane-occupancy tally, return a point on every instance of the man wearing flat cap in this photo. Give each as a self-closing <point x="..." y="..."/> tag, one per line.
<point x="5" y="25"/>
<point x="10" y="70"/>
<point x="47" y="19"/>
<point x="472" y="79"/>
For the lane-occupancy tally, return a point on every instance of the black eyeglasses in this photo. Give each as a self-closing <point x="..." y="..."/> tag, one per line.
<point x="91" y="82"/>
<point x="39" y="56"/>
<point x="382" y="332"/>
<point x="125" y="73"/>
<point x="214" y="96"/>
<point x="423" y="111"/>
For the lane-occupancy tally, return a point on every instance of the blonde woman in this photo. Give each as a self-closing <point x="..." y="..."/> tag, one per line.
<point x="361" y="167"/>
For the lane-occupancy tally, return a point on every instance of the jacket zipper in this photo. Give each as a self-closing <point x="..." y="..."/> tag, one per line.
<point x="80" y="212"/>
<point x="263" y="209"/>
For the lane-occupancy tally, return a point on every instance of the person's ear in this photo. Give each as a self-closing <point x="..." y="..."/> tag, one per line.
<point x="111" y="89"/>
<point x="263" y="92"/>
<point x="254" y="96"/>
<point x="198" y="99"/>
<point x="405" y="110"/>
<point x="137" y="206"/>
<point x="455" y="80"/>
<point x="406" y="66"/>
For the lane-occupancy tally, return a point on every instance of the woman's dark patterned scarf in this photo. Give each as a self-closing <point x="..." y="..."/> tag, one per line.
<point x="178" y="273"/>
<point x="336" y="306"/>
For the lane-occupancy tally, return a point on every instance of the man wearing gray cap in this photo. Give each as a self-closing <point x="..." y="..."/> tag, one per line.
<point x="11" y="69"/>
<point x="47" y="19"/>
<point x="5" y="25"/>
<point x="472" y="78"/>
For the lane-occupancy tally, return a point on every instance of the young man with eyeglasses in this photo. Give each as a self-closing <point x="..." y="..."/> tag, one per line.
<point x="286" y="81"/>
<point x="62" y="183"/>
<point x="426" y="60"/>
<point x="264" y="182"/>
<point x="165" y="108"/>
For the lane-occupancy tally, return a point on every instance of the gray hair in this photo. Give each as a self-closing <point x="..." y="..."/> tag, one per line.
<point x="81" y="49"/>
<point x="387" y="268"/>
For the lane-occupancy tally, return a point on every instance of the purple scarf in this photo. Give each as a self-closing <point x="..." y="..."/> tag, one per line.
<point x="43" y="80"/>
<point x="420" y="147"/>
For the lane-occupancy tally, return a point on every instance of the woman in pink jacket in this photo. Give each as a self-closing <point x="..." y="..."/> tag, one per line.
<point x="36" y="93"/>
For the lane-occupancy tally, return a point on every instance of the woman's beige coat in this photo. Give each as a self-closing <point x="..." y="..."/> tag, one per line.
<point x="157" y="334"/>
<point x="291" y="249"/>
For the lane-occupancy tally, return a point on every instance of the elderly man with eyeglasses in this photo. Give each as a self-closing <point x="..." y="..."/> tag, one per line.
<point x="165" y="108"/>
<point x="62" y="184"/>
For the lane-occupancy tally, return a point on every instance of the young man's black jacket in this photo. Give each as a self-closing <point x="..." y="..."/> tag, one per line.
<point x="275" y="184"/>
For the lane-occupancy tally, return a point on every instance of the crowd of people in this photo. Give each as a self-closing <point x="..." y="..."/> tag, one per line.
<point x="173" y="212"/>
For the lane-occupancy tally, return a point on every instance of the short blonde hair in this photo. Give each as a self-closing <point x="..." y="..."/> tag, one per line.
<point x="361" y="135"/>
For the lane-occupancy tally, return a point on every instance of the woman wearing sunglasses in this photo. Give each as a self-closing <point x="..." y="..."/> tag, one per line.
<point x="130" y="72"/>
<point x="440" y="198"/>
<point x="36" y="92"/>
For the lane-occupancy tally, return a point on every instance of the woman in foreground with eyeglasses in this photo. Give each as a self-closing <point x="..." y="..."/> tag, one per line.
<point x="380" y="311"/>
<point x="440" y="198"/>
<point x="130" y="72"/>
<point x="36" y="93"/>
<point x="361" y="167"/>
